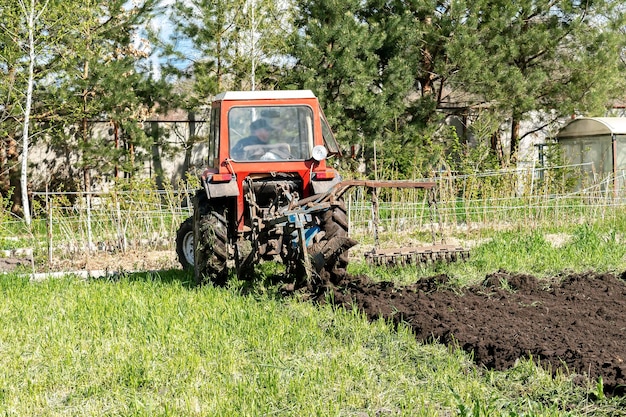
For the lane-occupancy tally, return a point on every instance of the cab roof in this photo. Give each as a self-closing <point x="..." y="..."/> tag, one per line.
<point x="264" y="95"/>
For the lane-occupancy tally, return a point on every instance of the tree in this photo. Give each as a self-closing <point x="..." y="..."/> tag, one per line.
<point x="218" y="45"/>
<point x="335" y="58"/>
<point x="559" y="57"/>
<point x="32" y="15"/>
<point x="418" y="61"/>
<point x="379" y="67"/>
<point x="86" y="67"/>
<point x="24" y="36"/>
<point x="11" y="81"/>
<point x="98" y="79"/>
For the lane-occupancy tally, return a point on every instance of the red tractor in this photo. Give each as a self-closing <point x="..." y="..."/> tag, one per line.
<point x="267" y="164"/>
<point x="269" y="194"/>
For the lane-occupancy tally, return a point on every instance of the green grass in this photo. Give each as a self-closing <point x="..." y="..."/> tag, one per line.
<point x="151" y="345"/>
<point x="591" y="246"/>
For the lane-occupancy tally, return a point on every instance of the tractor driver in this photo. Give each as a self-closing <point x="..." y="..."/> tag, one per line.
<point x="260" y="134"/>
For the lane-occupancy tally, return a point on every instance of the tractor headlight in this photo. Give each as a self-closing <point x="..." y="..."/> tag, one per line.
<point x="319" y="153"/>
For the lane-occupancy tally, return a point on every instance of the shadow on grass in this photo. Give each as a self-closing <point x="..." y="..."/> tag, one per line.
<point x="268" y="280"/>
<point x="166" y="276"/>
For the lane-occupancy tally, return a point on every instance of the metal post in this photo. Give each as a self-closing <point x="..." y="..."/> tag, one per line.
<point x="49" y="204"/>
<point x="614" y="146"/>
<point x="89" y="234"/>
<point x="375" y="216"/>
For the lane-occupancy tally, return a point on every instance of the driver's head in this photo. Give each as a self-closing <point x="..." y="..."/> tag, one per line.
<point x="261" y="129"/>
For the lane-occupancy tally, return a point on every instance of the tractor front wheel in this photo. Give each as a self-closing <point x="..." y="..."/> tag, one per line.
<point x="184" y="244"/>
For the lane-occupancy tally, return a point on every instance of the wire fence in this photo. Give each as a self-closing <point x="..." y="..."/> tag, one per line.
<point x="120" y="220"/>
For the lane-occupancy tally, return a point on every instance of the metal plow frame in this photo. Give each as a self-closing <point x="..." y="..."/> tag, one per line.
<point x="403" y="255"/>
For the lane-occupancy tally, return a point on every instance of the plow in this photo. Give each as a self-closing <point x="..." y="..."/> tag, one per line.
<point x="272" y="195"/>
<point x="438" y="251"/>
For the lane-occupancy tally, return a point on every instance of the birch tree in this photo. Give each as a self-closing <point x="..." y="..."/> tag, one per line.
<point x="222" y="44"/>
<point x="32" y="15"/>
<point x="21" y="48"/>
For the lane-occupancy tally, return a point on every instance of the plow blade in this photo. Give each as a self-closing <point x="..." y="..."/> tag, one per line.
<point x="331" y="251"/>
<point x="416" y="255"/>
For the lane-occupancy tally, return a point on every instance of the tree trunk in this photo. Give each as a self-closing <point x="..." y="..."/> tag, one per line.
<point x="515" y="124"/>
<point x="85" y="132"/>
<point x="191" y="139"/>
<point x="86" y="173"/>
<point x="156" y="155"/>
<point x="427" y="70"/>
<point x="13" y="175"/>
<point x="496" y="146"/>
<point x="27" y="108"/>
<point x="4" y="163"/>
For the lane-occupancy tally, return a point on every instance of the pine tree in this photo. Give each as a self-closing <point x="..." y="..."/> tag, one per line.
<point x="380" y="67"/>
<point x="98" y="80"/>
<point x="560" y="57"/>
<point x="335" y="57"/>
<point x="219" y="45"/>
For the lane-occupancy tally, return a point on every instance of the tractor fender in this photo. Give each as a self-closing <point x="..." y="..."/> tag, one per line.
<point x="320" y="187"/>
<point x="218" y="190"/>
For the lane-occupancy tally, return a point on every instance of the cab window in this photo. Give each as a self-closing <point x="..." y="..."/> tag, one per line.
<point x="214" y="137"/>
<point x="329" y="138"/>
<point x="269" y="133"/>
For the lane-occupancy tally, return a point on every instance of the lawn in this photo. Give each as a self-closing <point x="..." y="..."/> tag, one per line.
<point x="152" y="345"/>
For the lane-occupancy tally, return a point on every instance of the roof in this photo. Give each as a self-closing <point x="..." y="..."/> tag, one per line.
<point x="593" y="126"/>
<point x="268" y="95"/>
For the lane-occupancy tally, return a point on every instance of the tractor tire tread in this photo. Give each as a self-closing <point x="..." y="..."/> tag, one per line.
<point x="212" y="248"/>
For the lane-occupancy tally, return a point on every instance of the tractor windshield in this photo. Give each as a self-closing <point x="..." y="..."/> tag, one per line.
<point x="270" y="133"/>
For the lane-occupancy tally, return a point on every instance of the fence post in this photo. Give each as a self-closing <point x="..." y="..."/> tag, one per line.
<point x="49" y="204"/>
<point x="89" y="235"/>
<point x="121" y="236"/>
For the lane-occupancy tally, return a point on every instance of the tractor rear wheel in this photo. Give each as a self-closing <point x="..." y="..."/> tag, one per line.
<point x="335" y="224"/>
<point x="184" y="244"/>
<point x="211" y="249"/>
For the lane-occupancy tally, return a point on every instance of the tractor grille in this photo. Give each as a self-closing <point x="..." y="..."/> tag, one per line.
<point x="267" y="190"/>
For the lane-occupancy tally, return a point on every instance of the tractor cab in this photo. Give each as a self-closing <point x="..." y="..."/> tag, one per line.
<point x="275" y="143"/>
<point x="266" y="127"/>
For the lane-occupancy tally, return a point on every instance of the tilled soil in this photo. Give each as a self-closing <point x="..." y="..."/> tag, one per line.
<point x="576" y="323"/>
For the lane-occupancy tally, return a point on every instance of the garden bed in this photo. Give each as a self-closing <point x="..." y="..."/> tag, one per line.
<point x="574" y="323"/>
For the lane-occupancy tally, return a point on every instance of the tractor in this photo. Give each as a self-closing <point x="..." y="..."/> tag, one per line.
<point x="269" y="193"/>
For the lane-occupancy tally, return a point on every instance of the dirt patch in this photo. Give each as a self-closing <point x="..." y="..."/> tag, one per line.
<point x="8" y="264"/>
<point x="576" y="324"/>
<point x="132" y="260"/>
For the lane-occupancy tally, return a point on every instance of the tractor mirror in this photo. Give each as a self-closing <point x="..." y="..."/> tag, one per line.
<point x="319" y="153"/>
<point x="270" y="114"/>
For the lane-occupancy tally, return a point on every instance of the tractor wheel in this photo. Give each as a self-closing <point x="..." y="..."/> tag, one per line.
<point x="211" y="249"/>
<point x="335" y="224"/>
<point x="184" y="244"/>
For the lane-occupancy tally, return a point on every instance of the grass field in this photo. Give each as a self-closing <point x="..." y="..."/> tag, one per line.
<point x="151" y="345"/>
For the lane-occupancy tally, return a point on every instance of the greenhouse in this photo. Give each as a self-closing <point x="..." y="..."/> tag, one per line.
<point x="598" y="145"/>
